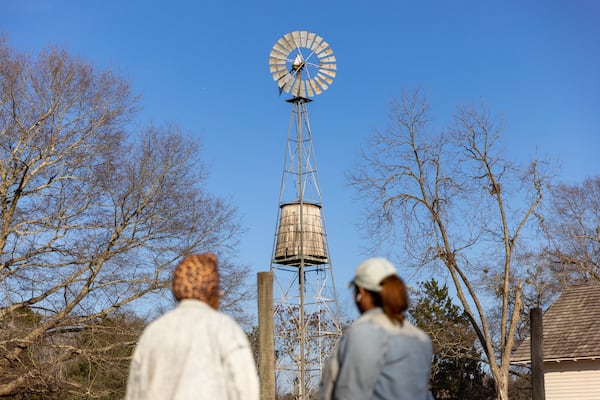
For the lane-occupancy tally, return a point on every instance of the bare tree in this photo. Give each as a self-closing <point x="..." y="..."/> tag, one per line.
<point x="572" y="223"/>
<point x="459" y="208"/>
<point x="92" y="217"/>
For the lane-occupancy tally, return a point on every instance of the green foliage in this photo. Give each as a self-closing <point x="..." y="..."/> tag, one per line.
<point x="24" y="317"/>
<point x="456" y="369"/>
<point x="98" y="367"/>
<point x="103" y="368"/>
<point x="108" y="383"/>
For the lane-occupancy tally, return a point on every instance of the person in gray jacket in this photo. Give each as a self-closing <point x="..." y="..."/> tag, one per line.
<point x="381" y="355"/>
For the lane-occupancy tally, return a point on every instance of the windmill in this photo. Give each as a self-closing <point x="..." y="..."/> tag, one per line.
<point x="307" y="322"/>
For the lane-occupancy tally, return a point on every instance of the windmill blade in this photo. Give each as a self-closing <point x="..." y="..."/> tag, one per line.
<point x="295" y="88"/>
<point x="317" y="42"/>
<point x="296" y="37"/>
<point x="285" y="79"/>
<point x="324" y="77"/>
<point x="289" y="82"/>
<point x="277" y="59"/>
<point x="320" y="83"/>
<point x="289" y="39"/>
<point x="279" y="52"/>
<point x="282" y="46"/>
<point x="329" y="73"/>
<point x="278" y="75"/>
<point x="303" y="39"/>
<point x="302" y="89"/>
<point x="322" y="48"/>
<point x="279" y="78"/>
<point x="278" y="71"/>
<point x="286" y="42"/>
<point x="309" y="88"/>
<point x="315" y="87"/>
<point x="277" y="68"/>
<point x="310" y="39"/>
<point x="325" y="54"/>
<point x="275" y="62"/>
<point x="330" y="59"/>
<point x="331" y="67"/>
<point x="315" y="47"/>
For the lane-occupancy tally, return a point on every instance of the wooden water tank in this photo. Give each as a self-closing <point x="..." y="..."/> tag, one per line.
<point x="293" y="243"/>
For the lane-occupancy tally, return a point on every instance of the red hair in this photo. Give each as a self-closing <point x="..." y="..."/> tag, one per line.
<point x="393" y="298"/>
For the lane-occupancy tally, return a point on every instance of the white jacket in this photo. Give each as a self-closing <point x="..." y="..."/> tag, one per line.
<point x="193" y="352"/>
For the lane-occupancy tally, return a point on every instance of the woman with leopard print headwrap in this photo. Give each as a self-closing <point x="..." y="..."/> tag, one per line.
<point x="193" y="351"/>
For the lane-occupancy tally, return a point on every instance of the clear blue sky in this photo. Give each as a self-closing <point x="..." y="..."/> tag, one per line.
<point x="204" y="65"/>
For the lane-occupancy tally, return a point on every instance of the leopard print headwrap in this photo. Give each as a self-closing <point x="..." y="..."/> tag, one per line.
<point x="197" y="277"/>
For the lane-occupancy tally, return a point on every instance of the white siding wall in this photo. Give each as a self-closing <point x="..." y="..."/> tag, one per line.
<point x="570" y="380"/>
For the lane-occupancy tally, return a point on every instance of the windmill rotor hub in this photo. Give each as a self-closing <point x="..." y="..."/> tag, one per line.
<point x="298" y="63"/>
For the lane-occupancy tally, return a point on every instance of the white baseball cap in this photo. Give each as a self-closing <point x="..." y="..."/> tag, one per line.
<point x="371" y="272"/>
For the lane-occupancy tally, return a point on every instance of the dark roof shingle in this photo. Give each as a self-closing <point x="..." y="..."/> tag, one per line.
<point x="571" y="327"/>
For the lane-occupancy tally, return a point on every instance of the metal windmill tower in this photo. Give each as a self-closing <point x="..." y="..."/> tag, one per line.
<point x="307" y="322"/>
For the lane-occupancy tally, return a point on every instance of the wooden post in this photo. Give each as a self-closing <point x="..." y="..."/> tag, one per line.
<point x="537" y="353"/>
<point x="266" y="342"/>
